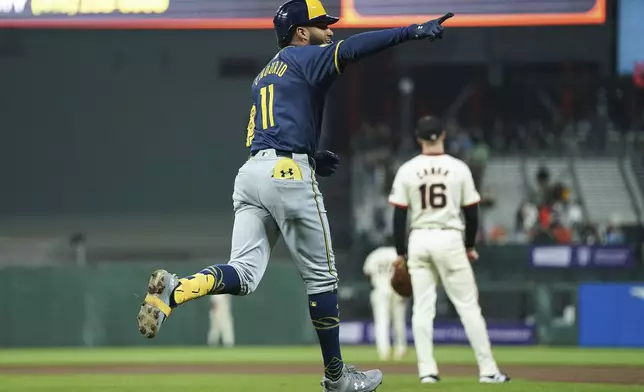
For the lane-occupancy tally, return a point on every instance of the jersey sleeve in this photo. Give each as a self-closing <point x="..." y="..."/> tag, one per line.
<point x="399" y="196"/>
<point x="322" y="62"/>
<point x="470" y="195"/>
<point x="319" y="63"/>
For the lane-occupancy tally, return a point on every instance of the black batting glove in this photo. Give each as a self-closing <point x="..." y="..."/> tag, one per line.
<point x="326" y="163"/>
<point x="431" y="30"/>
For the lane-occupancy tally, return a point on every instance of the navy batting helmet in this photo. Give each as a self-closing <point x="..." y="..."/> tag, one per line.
<point x="295" y="13"/>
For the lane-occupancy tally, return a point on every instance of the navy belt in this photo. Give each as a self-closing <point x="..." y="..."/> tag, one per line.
<point x="287" y="154"/>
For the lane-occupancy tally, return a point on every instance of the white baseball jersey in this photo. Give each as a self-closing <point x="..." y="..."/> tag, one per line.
<point x="379" y="266"/>
<point x="434" y="188"/>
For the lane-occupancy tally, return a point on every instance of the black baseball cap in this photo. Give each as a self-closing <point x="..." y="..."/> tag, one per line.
<point x="429" y="128"/>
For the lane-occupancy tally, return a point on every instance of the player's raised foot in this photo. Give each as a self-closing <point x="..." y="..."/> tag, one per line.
<point x="353" y="380"/>
<point x="498" y="378"/>
<point x="432" y="379"/>
<point x="156" y="305"/>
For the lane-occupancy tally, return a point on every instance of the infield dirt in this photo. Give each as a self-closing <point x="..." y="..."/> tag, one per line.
<point x="586" y="374"/>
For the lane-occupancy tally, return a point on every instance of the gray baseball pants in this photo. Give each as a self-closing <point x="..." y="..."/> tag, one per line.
<point x="277" y="195"/>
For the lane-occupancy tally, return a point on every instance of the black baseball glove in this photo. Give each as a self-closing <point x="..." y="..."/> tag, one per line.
<point x="326" y="163"/>
<point x="431" y="30"/>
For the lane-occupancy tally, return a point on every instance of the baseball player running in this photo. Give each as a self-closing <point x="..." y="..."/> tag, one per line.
<point x="387" y="306"/>
<point x="434" y="188"/>
<point x="276" y="192"/>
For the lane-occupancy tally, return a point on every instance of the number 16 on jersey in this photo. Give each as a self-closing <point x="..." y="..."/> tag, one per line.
<point x="434" y="195"/>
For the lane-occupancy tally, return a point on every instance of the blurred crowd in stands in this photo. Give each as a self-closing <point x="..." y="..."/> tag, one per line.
<point x="548" y="215"/>
<point x="559" y="116"/>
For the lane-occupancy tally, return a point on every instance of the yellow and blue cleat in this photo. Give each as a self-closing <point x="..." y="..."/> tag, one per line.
<point x="156" y="306"/>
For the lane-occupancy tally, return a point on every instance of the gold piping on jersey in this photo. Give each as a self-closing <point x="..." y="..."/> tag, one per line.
<point x="250" y="129"/>
<point x="335" y="57"/>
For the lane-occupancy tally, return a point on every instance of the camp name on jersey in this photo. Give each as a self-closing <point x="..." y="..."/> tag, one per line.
<point x="431" y="171"/>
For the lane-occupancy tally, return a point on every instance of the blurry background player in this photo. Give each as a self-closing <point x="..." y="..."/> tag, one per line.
<point x="387" y="306"/>
<point x="436" y="188"/>
<point x="222" y="326"/>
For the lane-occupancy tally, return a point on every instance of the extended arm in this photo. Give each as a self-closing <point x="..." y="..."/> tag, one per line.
<point x="366" y="44"/>
<point x="321" y="63"/>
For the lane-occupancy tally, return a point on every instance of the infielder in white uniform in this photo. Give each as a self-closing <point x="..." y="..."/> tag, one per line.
<point x="387" y="306"/>
<point x="434" y="188"/>
<point x="222" y="327"/>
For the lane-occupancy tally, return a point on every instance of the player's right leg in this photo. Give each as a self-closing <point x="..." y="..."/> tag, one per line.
<point x="381" y="321"/>
<point x="294" y="199"/>
<point x="228" y="332"/>
<point x="214" y="330"/>
<point x="460" y="286"/>
<point x="226" y="322"/>
<point x="399" y="325"/>
<point x="424" y="280"/>
<point x="254" y="234"/>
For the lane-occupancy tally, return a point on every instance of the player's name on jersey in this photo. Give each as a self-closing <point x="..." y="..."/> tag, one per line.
<point x="274" y="68"/>
<point x="74" y="7"/>
<point x="432" y="171"/>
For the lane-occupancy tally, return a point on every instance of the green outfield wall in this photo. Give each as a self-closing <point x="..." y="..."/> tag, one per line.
<point x="96" y="305"/>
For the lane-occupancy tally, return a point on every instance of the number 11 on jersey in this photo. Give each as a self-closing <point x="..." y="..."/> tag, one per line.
<point x="267" y="107"/>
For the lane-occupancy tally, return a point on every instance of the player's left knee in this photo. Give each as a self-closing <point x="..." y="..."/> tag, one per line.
<point x="319" y="287"/>
<point x="469" y="309"/>
<point x="422" y="319"/>
<point x="247" y="278"/>
<point x="427" y="308"/>
<point x="469" y="305"/>
<point x="423" y="313"/>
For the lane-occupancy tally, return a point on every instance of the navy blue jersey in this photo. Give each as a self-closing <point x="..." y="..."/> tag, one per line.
<point x="289" y="96"/>
<point x="289" y="93"/>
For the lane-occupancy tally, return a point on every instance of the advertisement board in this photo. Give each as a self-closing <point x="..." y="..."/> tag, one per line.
<point x="501" y="333"/>
<point x="258" y="14"/>
<point x="582" y="256"/>
<point x="472" y="13"/>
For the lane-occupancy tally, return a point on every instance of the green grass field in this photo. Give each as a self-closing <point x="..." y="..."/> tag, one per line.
<point x="298" y="383"/>
<point x="265" y="354"/>
<point x="295" y="356"/>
